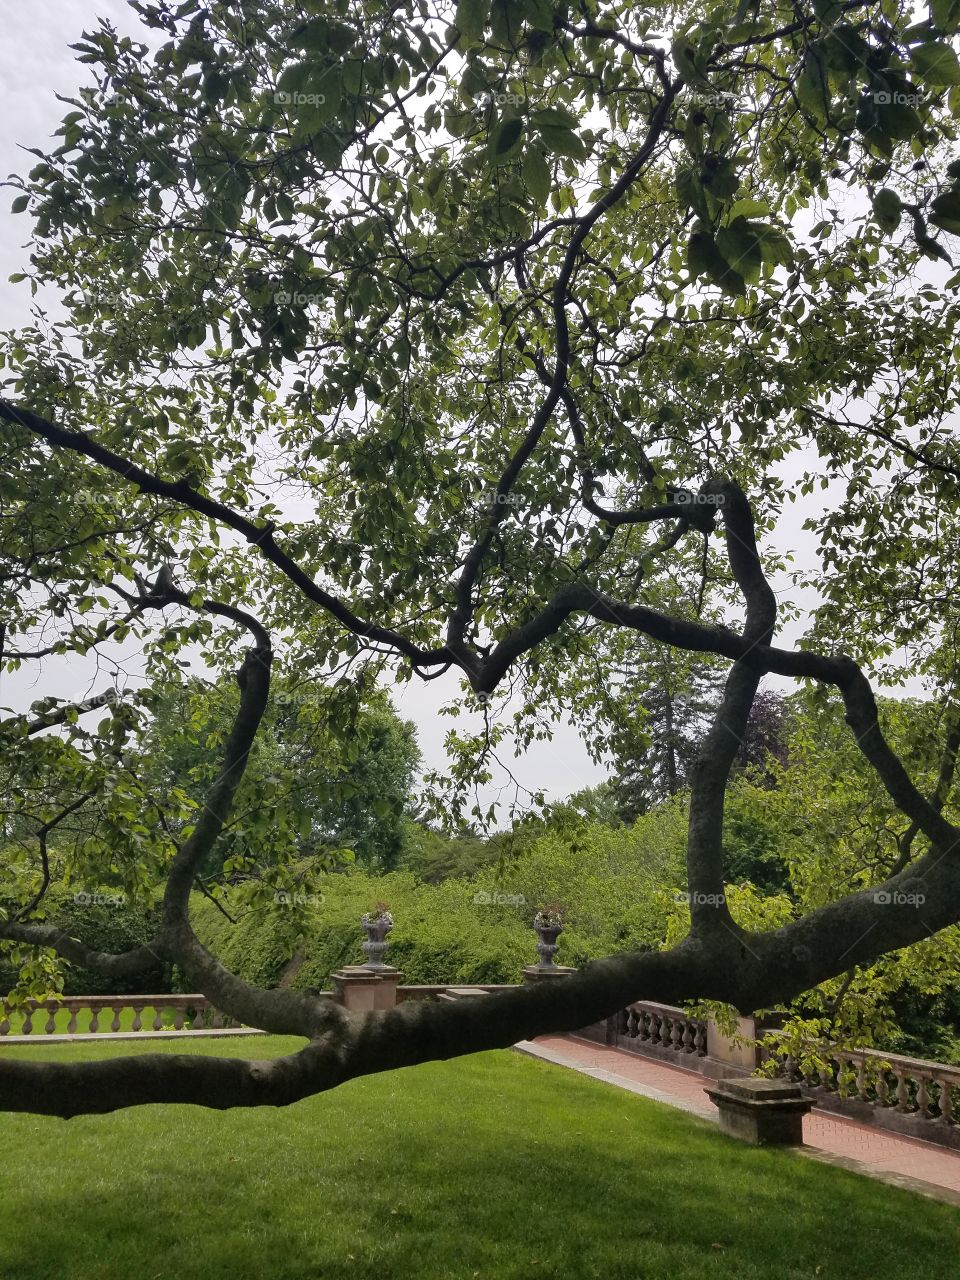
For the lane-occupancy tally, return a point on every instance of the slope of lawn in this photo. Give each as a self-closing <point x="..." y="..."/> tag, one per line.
<point x="496" y="1165"/>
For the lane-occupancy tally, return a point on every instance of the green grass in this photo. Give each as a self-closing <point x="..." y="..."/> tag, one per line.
<point x="494" y="1165"/>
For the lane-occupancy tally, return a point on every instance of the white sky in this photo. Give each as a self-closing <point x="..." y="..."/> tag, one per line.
<point x="35" y="64"/>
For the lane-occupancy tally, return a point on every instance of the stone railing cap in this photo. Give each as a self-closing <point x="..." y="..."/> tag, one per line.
<point x="757" y="1088"/>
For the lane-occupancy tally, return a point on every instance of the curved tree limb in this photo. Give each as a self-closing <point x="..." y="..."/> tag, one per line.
<point x="125" y="964"/>
<point x="748" y="970"/>
<point x="261" y="537"/>
<point x="710" y="772"/>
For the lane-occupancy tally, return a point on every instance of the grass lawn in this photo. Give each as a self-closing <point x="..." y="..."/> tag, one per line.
<point x="496" y="1165"/>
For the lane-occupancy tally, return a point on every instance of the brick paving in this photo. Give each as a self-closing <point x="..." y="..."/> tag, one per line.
<point x="907" y="1162"/>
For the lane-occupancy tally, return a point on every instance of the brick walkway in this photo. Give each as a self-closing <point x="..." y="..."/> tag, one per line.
<point x="906" y="1162"/>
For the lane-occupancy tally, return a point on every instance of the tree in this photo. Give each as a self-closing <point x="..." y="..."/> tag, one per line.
<point x="314" y="794"/>
<point x="524" y="304"/>
<point x="655" y="743"/>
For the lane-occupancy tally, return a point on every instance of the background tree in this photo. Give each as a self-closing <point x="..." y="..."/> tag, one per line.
<point x="322" y="794"/>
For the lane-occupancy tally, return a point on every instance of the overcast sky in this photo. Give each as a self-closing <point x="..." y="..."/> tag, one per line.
<point x="36" y="64"/>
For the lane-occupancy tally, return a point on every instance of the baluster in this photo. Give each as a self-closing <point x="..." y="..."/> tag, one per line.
<point x="216" y="1020"/>
<point x="688" y="1037"/>
<point x="700" y="1040"/>
<point x="633" y="1021"/>
<point x="117" y="1010"/>
<point x="883" y="1089"/>
<point x="72" y="1024"/>
<point x="137" y="1022"/>
<point x="157" y="1018"/>
<point x="51" y="1023"/>
<point x="678" y="1034"/>
<point x="179" y="1014"/>
<point x="94" y="1019"/>
<point x="643" y="1025"/>
<point x="923" y="1099"/>
<point x="654" y="1028"/>
<point x="903" y="1093"/>
<point x="4" y="1020"/>
<point x="789" y="1067"/>
<point x="27" y="1019"/>
<point x="832" y="1074"/>
<point x="844" y="1070"/>
<point x="862" y="1088"/>
<point x="946" y="1103"/>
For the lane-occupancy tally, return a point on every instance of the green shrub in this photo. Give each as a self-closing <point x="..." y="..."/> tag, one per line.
<point x="103" y="927"/>
<point x="478" y="930"/>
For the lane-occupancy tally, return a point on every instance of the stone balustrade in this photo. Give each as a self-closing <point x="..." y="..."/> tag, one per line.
<point x="911" y="1095"/>
<point x="88" y="1015"/>
<point x="660" y="1031"/>
<point x="662" y="1026"/>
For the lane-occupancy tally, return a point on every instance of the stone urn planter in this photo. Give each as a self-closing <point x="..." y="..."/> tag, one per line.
<point x="376" y="927"/>
<point x="549" y="926"/>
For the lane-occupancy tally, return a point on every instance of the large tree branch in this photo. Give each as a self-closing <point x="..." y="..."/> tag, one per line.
<point x="840" y="671"/>
<point x="125" y="964"/>
<point x="284" y="1011"/>
<point x="496" y="508"/>
<point x="747" y="970"/>
<point x="710" y="772"/>
<point x="261" y="537"/>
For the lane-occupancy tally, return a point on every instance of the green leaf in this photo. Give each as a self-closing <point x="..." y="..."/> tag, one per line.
<point x="215" y="86"/>
<point x="898" y="120"/>
<point x="887" y="209"/>
<point x="748" y="208"/>
<point x="538" y="14"/>
<point x="19" y="204"/>
<point x="705" y="259"/>
<point x="471" y="18"/>
<point x="536" y="174"/>
<point x="690" y="193"/>
<point x="683" y="53"/>
<point x="936" y="64"/>
<point x="313" y="35"/>
<point x="945" y="14"/>
<point x="945" y="211"/>
<point x="563" y="142"/>
<point x="741" y="248"/>
<point x="505" y="140"/>
<point x="774" y="244"/>
<point x="554" y="117"/>
<point x="812" y="87"/>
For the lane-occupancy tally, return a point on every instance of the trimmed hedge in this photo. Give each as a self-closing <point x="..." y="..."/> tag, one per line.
<point x="104" y="928"/>
<point x="610" y="882"/>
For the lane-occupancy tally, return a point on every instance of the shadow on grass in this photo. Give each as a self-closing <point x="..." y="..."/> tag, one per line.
<point x="495" y="1165"/>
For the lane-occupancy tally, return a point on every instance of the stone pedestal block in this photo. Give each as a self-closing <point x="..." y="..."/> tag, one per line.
<point x="761" y="1112"/>
<point x="536" y="973"/>
<point x="362" y="990"/>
